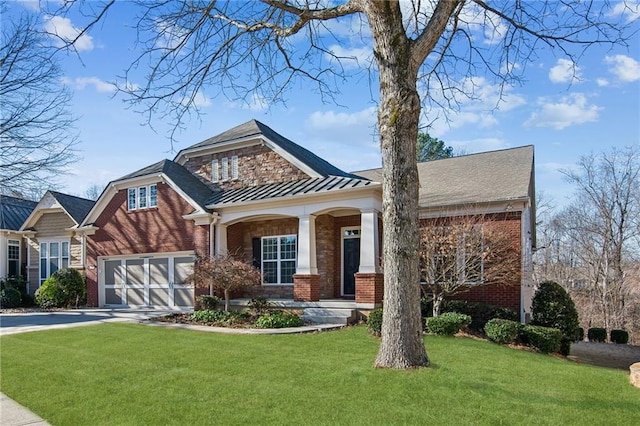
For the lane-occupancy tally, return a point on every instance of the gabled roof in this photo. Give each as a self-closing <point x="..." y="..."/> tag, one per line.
<point x="254" y="128"/>
<point x="187" y="182"/>
<point x="75" y="207"/>
<point x="286" y="189"/>
<point x="504" y="175"/>
<point x="14" y="211"/>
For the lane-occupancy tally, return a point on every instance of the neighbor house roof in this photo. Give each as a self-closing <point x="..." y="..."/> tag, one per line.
<point x="14" y="211"/>
<point x="286" y="189"/>
<point x="504" y="175"/>
<point x="76" y="207"/>
<point x="254" y="128"/>
<point x="187" y="182"/>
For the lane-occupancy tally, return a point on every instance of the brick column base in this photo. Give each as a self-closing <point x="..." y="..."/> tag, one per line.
<point x="369" y="287"/>
<point x="306" y="288"/>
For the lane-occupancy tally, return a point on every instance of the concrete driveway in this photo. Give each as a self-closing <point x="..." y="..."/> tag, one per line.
<point x="36" y="321"/>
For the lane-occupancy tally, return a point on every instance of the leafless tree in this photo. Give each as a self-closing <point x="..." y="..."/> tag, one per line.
<point x="464" y="252"/>
<point x="93" y="191"/>
<point x="36" y="129"/>
<point x="421" y="53"/>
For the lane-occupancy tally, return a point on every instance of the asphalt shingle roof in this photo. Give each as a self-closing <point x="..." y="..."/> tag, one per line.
<point x="14" y="211"/>
<point x="489" y="176"/>
<point x="187" y="182"/>
<point x="286" y="189"/>
<point x="255" y="128"/>
<point x="77" y="207"/>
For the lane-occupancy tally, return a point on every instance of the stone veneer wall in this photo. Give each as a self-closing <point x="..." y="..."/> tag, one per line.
<point x="257" y="165"/>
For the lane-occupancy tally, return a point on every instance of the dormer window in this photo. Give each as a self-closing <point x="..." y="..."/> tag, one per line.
<point x="142" y="197"/>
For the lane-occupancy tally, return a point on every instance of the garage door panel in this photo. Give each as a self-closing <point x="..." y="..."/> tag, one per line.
<point x="135" y="296"/>
<point x="182" y="269"/>
<point x="159" y="296"/>
<point x="183" y="297"/>
<point x="159" y="271"/>
<point x="113" y="296"/>
<point x="135" y="271"/>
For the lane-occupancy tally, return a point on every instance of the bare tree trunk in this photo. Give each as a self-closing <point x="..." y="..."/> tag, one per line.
<point x="398" y="118"/>
<point x="227" y="300"/>
<point x="437" y="303"/>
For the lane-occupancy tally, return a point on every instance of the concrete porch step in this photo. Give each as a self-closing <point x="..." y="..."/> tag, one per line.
<point x="329" y="316"/>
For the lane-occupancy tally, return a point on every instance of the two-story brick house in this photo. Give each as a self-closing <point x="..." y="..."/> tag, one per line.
<point x="312" y="229"/>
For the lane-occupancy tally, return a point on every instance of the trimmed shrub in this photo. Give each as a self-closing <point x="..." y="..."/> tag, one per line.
<point x="502" y="331"/>
<point x="208" y="316"/>
<point x="15" y="283"/>
<point x="480" y="313"/>
<point x="9" y="298"/>
<point x="260" y="305"/>
<point x="544" y="339"/>
<point x="279" y="319"/>
<point x="374" y="322"/>
<point x="619" y="336"/>
<point x="208" y="302"/>
<point x="553" y="307"/>
<point x="580" y="334"/>
<point x="50" y="294"/>
<point x="597" y="334"/>
<point x="447" y="324"/>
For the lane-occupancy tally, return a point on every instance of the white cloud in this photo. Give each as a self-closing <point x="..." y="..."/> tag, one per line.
<point x="258" y="103"/>
<point x="570" y="110"/>
<point x="30" y="4"/>
<point x="602" y="82"/>
<point x="353" y="57"/>
<point x="331" y="120"/>
<point x="565" y="71"/>
<point x="63" y="31"/>
<point x="478" y="145"/>
<point x="81" y="83"/>
<point x="624" y="67"/>
<point x="628" y="10"/>
<point x="201" y="100"/>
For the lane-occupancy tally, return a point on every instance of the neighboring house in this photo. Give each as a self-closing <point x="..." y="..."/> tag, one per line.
<point x="313" y="229"/>
<point x="13" y="212"/>
<point x="52" y="238"/>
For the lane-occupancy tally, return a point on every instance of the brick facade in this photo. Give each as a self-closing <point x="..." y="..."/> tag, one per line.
<point x="257" y="165"/>
<point x="306" y="288"/>
<point x="154" y="230"/>
<point x="369" y="288"/>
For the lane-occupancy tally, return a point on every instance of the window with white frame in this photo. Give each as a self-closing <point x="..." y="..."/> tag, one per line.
<point x="215" y="171"/>
<point x="234" y="167"/>
<point x="278" y="259"/>
<point x="54" y="255"/>
<point x="142" y="197"/>
<point x="13" y="258"/>
<point x="224" y="168"/>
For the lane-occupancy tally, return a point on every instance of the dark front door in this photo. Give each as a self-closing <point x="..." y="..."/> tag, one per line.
<point x="350" y="265"/>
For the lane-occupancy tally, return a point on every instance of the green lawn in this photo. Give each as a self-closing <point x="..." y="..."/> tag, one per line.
<point x="115" y="374"/>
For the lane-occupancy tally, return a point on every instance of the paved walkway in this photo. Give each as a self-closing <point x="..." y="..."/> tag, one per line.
<point x="14" y="414"/>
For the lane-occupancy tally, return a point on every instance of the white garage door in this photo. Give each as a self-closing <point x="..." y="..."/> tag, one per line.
<point x="156" y="280"/>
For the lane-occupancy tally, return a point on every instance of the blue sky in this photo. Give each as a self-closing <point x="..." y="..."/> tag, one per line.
<point x="565" y="112"/>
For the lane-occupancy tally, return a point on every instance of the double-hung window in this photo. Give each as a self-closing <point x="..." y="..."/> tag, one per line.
<point x="54" y="255"/>
<point x="142" y="197"/>
<point x="278" y="259"/>
<point x="13" y="258"/>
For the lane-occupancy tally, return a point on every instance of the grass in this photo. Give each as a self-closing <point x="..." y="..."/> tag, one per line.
<point x="114" y="374"/>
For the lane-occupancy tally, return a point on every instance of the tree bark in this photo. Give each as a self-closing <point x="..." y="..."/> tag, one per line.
<point x="398" y="118"/>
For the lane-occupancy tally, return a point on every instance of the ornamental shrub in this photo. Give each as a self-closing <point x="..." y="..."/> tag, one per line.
<point x="50" y="294"/>
<point x="260" y="305"/>
<point x="580" y="334"/>
<point x="73" y="286"/>
<point x="619" y="336"/>
<point x="480" y="313"/>
<point x="597" y="334"/>
<point x="208" y="302"/>
<point x="447" y="324"/>
<point x="9" y="298"/>
<point x="553" y="307"/>
<point x="279" y="319"/>
<point x="374" y="322"/>
<point x="209" y="316"/>
<point x="544" y="339"/>
<point x="502" y="331"/>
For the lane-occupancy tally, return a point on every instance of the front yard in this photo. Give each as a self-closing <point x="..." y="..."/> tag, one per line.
<point x="116" y="374"/>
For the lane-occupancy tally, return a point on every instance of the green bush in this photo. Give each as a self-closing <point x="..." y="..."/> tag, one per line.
<point x="209" y="316"/>
<point x="374" y="321"/>
<point x="447" y="324"/>
<point x="580" y="334"/>
<point x="9" y="298"/>
<point x="208" y="302"/>
<point x="545" y="339"/>
<point x="553" y="307"/>
<point x="279" y="319"/>
<point x="619" y="336"/>
<point x="17" y="283"/>
<point x="260" y="305"/>
<point x="597" y="334"/>
<point x="480" y="313"/>
<point x="502" y="331"/>
<point x="50" y="294"/>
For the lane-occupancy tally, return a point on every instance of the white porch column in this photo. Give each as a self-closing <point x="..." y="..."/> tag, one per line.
<point x="369" y="242"/>
<point x="221" y="239"/>
<point x="307" y="263"/>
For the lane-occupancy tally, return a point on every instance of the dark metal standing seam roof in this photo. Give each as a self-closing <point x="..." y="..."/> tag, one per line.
<point x="14" y="211"/>
<point x="77" y="207"/>
<point x="286" y="189"/>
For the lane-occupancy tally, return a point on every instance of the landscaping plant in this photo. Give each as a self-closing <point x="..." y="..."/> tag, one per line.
<point x="374" y="321"/>
<point x="502" y="331"/>
<point x="553" y="307"/>
<point x="279" y="319"/>
<point x="447" y="324"/>
<point x="597" y="334"/>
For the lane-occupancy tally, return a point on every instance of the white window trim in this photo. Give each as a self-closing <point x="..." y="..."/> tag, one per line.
<point x="147" y="197"/>
<point x="279" y="260"/>
<point x="224" y="169"/>
<point x="344" y="236"/>
<point x="234" y="167"/>
<point x="215" y="171"/>
<point x="14" y="243"/>
<point x="60" y="257"/>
